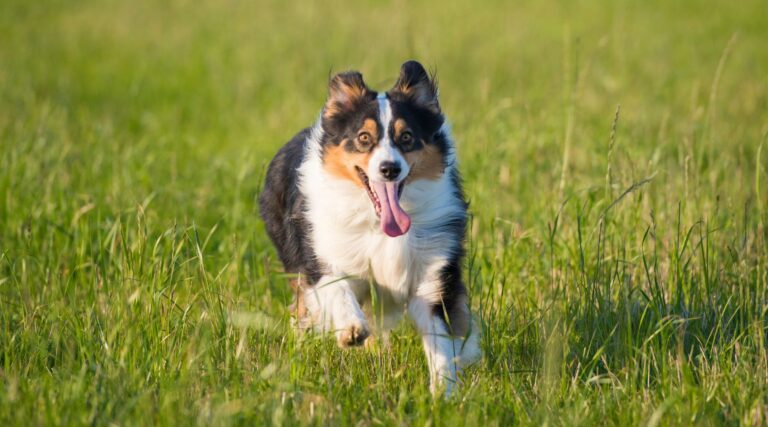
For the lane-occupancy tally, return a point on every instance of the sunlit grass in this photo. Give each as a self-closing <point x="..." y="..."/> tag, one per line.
<point x="617" y="255"/>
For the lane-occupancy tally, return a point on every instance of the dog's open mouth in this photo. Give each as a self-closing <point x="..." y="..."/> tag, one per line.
<point x="385" y="197"/>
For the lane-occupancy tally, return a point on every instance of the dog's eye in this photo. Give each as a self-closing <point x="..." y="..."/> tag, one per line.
<point x="406" y="139"/>
<point x="364" y="140"/>
<point x="364" y="137"/>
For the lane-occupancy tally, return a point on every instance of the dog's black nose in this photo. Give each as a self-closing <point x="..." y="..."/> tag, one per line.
<point x="390" y="170"/>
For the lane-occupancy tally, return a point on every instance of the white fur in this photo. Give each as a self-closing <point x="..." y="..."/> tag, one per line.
<point x="332" y="302"/>
<point x="347" y="238"/>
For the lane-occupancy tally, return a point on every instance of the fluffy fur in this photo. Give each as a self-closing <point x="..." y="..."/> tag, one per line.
<point x="371" y="193"/>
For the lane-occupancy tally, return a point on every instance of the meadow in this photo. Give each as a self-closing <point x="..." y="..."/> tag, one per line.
<point x="614" y="154"/>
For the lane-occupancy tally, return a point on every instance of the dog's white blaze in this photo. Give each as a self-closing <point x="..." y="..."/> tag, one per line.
<point x="346" y="237"/>
<point x="385" y="110"/>
<point x="385" y="150"/>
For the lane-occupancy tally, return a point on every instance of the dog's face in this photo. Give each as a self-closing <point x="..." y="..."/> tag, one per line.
<point x="383" y="142"/>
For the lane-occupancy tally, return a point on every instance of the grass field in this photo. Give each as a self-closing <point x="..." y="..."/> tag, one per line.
<point x="617" y="256"/>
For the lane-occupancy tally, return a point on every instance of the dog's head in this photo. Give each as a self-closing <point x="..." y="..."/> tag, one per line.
<point x="383" y="142"/>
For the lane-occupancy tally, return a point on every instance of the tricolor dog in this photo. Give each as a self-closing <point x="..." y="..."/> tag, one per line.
<point x="371" y="194"/>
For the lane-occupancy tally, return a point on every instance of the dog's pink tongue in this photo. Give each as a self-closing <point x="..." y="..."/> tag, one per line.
<point x="394" y="221"/>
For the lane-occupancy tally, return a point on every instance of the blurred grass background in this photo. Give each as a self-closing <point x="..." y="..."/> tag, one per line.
<point x="617" y="261"/>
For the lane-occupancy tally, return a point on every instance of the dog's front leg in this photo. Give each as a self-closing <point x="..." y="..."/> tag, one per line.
<point x="333" y="306"/>
<point x="438" y="345"/>
<point x="448" y="348"/>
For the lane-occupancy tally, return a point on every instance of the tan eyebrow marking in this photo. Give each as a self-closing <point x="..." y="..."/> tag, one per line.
<point x="370" y="126"/>
<point x="400" y="126"/>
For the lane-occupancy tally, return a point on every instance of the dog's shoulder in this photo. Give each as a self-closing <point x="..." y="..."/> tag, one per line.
<point x="281" y="206"/>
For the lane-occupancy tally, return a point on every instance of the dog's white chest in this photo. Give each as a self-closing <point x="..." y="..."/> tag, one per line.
<point x="367" y="253"/>
<point x="347" y="237"/>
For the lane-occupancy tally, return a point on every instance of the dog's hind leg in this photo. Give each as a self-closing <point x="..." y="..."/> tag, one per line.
<point x="333" y="306"/>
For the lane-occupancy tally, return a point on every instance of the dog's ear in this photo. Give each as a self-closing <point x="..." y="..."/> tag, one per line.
<point x="417" y="86"/>
<point x="345" y="90"/>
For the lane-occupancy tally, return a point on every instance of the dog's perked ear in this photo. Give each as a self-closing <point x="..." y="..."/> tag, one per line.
<point x="417" y="86"/>
<point x="345" y="91"/>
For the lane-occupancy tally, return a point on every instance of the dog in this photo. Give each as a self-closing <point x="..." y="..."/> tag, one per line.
<point x="371" y="194"/>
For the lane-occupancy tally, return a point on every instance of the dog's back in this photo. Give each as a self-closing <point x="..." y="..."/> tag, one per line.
<point x="281" y="205"/>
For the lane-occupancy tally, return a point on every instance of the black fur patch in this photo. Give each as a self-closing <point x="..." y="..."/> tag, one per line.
<point x="346" y="123"/>
<point x="452" y="308"/>
<point x="424" y="124"/>
<point x="453" y="292"/>
<point x="281" y="206"/>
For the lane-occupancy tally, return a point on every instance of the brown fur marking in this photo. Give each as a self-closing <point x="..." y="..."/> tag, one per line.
<point x="298" y="308"/>
<point x="426" y="163"/>
<point x="421" y="93"/>
<point x="331" y="109"/>
<point x="400" y="126"/>
<point x="341" y="163"/>
<point x="370" y="126"/>
<point x="344" y="91"/>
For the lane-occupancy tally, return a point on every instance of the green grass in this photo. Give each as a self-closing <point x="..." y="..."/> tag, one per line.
<point x="617" y="260"/>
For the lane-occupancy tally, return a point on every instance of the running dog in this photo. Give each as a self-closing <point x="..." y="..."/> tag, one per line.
<point x="371" y="193"/>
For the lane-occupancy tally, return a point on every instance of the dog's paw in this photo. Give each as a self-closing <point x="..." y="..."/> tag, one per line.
<point x="352" y="336"/>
